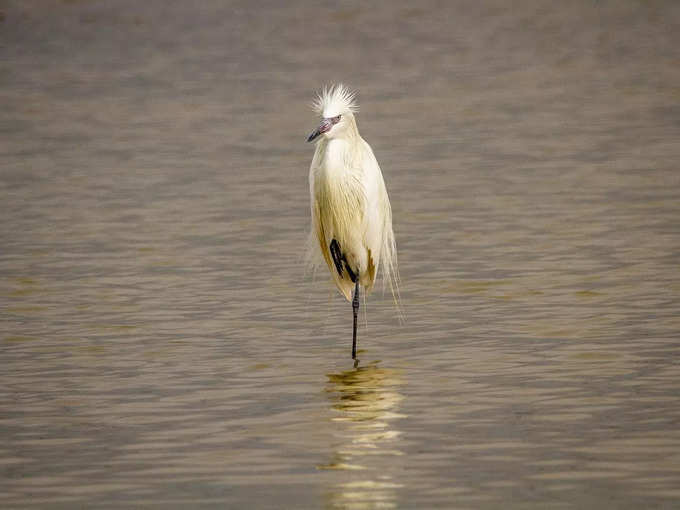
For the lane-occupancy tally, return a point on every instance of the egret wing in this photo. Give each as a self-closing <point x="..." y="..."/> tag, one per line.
<point x="378" y="234"/>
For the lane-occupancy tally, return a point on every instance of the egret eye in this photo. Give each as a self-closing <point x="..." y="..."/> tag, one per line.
<point x="335" y="120"/>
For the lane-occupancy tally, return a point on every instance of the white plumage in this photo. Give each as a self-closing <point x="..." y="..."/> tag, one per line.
<point x="351" y="213"/>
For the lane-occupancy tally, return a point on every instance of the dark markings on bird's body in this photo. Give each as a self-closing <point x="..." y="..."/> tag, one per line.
<point x="339" y="258"/>
<point x="351" y="274"/>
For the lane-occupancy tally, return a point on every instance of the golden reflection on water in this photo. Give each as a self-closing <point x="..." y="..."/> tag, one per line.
<point x="151" y="296"/>
<point x="365" y="402"/>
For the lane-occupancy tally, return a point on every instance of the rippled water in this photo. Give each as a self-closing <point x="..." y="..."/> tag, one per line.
<point x="163" y="346"/>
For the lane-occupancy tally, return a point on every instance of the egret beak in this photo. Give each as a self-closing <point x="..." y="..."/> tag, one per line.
<point x="326" y="125"/>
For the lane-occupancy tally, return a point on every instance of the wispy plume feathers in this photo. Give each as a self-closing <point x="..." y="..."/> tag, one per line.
<point x="335" y="100"/>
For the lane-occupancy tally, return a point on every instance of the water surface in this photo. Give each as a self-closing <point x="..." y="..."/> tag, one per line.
<point x="163" y="346"/>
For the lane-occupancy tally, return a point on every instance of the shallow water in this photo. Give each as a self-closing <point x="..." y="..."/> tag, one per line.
<point x="163" y="346"/>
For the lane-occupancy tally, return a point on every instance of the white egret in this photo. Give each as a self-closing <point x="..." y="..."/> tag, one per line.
<point x="351" y="213"/>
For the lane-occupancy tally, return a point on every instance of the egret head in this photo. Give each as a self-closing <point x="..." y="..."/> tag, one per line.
<point x="336" y="105"/>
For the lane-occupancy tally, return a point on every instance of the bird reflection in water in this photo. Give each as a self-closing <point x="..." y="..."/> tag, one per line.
<point x="364" y="401"/>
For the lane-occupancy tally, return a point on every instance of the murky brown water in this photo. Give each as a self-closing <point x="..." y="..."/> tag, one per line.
<point x="162" y="346"/>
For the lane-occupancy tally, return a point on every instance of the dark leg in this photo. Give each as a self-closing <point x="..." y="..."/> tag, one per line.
<point x="355" y="309"/>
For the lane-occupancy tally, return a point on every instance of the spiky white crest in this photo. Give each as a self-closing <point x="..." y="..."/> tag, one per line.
<point x="335" y="100"/>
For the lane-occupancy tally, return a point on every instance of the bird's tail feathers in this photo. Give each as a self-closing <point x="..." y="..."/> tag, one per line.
<point x="312" y="258"/>
<point x="390" y="272"/>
